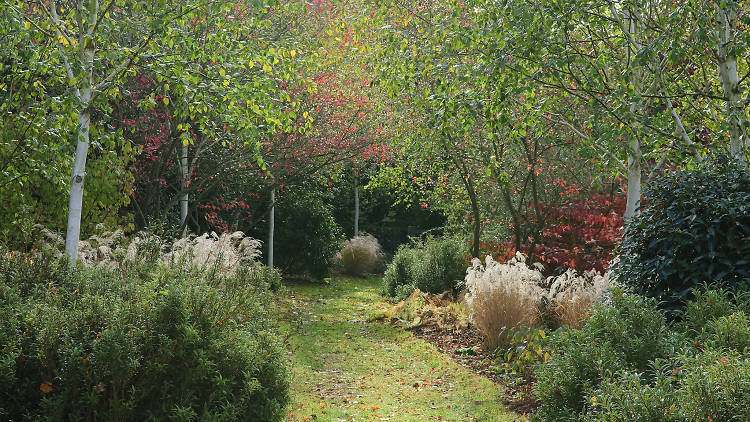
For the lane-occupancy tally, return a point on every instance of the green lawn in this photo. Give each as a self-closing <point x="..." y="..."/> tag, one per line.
<point x="345" y="368"/>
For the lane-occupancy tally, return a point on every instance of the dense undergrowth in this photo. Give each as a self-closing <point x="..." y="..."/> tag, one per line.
<point x="145" y="342"/>
<point x="627" y="362"/>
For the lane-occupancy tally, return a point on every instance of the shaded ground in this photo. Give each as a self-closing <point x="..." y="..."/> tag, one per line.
<point x="345" y="368"/>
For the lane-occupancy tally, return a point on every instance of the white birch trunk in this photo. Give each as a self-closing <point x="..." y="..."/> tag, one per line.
<point x="726" y="31"/>
<point x="184" y="174"/>
<point x="271" y="227"/>
<point x="356" y="205"/>
<point x="75" y="202"/>
<point x="634" y="153"/>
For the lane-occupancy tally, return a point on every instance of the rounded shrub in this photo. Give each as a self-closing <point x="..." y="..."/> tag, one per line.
<point x="709" y="386"/>
<point x="307" y="236"/>
<point x="694" y="228"/>
<point x="161" y="344"/>
<point x="628" y="363"/>
<point x="434" y="265"/>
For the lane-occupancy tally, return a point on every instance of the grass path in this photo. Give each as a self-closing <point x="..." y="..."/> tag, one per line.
<point x="345" y="368"/>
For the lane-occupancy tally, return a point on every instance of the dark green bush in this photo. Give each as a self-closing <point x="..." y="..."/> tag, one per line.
<point x="632" y="397"/>
<point x="627" y="363"/>
<point x="162" y="344"/>
<point x="711" y="386"/>
<point x="307" y="237"/>
<point x="694" y="228"/>
<point x="625" y="335"/>
<point x="434" y="266"/>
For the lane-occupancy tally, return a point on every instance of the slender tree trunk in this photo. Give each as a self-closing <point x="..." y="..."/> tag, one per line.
<point x="517" y="230"/>
<point x="634" y="180"/>
<point x="75" y="203"/>
<point x="469" y="183"/>
<point x="477" y="229"/>
<point x="184" y="174"/>
<point x="726" y="31"/>
<point x="271" y="223"/>
<point x="356" y="205"/>
<point x="634" y="154"/>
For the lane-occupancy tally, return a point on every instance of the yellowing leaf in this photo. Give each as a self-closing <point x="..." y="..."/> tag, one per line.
<point x="166" y="100"/>
<point x="26" y="25"/>
<point x="266" y="68"/>
<point x="46" y="387"/>
<point x="292" y="53"/>
<point x="251" y="64"/>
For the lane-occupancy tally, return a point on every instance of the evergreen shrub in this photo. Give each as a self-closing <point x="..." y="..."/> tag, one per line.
<point x="694" y="228"/>
<point x="142" y="343"/>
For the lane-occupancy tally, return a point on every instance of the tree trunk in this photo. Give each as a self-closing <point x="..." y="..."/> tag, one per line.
<point x="75" y="202"/>
<point x="184" y="174"/>
<point x="517" y="229"/>
<point x="634" y="154"/>
<point x="271" y="223"/>
<point x="726" y="32"/>
<point x="476" y="214"/>
<point x="356" y="205"/>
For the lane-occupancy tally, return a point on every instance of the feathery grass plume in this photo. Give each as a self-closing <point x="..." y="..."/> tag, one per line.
<point x="226" y="252"/>
<point x="503" y="298"/>
<point x="359" y="255"/>
<point x="571" y="295"/>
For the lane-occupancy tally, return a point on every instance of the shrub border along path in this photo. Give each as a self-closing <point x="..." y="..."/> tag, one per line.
<point x="347" y="367"/>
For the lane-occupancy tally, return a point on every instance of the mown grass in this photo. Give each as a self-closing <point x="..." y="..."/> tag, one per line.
<point x="346" y="368"/>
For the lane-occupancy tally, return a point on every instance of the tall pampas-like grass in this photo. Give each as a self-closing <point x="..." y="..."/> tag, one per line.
<point x="225" y="253"/>
<point x="503" y="298"/>
<point x="359" y="255"/>
<point x="571" y="295"/>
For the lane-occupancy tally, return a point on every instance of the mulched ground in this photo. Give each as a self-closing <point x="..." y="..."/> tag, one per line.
<point x="456" y="344"/>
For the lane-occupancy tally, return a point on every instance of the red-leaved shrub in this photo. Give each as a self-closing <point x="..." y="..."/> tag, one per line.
<point x="580" y="234"/>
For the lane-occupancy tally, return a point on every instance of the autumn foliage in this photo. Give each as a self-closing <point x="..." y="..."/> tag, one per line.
<point x="579" y="234"/>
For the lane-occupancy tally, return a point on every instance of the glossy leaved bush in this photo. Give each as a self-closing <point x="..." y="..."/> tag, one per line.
<point x="694" y="228"/>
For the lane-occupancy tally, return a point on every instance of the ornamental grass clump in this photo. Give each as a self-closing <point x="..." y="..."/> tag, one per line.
<point x="226" y="253"/>
<point x="506" y="297"/>
<point x="503" y="298"/>
<point x="360" y="255"/>
<point x="434" y="265"/>
<point x="571" y="295"/>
